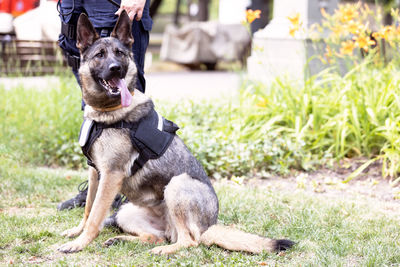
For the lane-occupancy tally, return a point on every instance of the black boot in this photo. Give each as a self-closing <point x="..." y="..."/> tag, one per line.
<point x="78" y="201"/>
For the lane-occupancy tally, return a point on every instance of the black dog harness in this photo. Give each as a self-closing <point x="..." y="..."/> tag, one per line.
<point x="150" y="136"/>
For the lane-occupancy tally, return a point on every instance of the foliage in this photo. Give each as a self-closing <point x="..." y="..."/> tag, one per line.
<point x="43" y="129"/>
<point x="335" y="116"/>
<point x="360" y="112"/>
<point x="41" y="126"/>
<point x="266" y="129"/>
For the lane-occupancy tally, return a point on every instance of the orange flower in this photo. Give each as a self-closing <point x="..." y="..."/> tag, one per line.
<point x="364" y="42"/>
<point x="376" y="35"/>
<point x="354" y="27"/>
<point x="387" y="32"/>
<point x="295" y="19"/>
<point x="338" y="29"/>
<point x="252" y="15"/>
<point x="347" y="48"/>
<point x="348" y="12"/>
<point x="328" y="54"/>
<point x="293" y="30"/>
<point x="323" y="13"/>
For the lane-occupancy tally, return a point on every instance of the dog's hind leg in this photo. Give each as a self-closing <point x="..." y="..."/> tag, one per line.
<point x="92" y="189"/>
<point x="144" y="224"/>
<point x="192" y="207"/>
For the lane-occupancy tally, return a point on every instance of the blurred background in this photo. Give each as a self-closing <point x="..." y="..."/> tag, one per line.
<point x="187" y="34"/>
<point x="29" y="32"/>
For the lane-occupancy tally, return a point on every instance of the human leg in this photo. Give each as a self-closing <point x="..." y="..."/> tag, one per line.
<point x="141" y="42"/>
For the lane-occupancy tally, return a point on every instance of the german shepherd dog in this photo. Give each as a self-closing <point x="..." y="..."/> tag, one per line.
<point x="170" y="198"/>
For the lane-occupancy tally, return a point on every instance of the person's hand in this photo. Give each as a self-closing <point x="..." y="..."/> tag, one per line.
<point x="132" y="7"/>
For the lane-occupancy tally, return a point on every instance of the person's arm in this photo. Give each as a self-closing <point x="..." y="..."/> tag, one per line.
<point x="132" y="7"/>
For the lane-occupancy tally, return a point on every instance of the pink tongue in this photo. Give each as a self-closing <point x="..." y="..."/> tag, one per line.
<point x="126" y="97"/>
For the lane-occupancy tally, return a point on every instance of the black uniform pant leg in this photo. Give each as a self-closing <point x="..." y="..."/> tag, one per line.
<point x="140" y="44"/>
<point x="69" y="14"/>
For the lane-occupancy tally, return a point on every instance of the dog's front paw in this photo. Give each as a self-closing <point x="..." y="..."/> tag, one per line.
<point x="71" y="247"/>
<point x="164" y="250"/>
<point x="73" y="232"/>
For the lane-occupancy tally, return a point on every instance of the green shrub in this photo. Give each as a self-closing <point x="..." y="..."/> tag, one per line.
<point x="41" y="127"/>
<point x="333" y="116"/>
<point x="266" y="129"/>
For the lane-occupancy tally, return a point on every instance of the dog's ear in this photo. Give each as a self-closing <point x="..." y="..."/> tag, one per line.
<point x="123" y="30"/>
<point x="86" y="35"/>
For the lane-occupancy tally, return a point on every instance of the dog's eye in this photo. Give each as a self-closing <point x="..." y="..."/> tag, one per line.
<point x="100" y="54"/>
<point x="119" y="52"/>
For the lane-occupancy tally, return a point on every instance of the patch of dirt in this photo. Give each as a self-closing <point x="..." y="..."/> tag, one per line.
<point x="332" y="182"/>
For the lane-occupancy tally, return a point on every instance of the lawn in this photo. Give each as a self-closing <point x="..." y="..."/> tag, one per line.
<point x="340" y="230"/>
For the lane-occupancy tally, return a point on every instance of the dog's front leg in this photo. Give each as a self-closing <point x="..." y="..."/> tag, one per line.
<point x="109" y="186"/>
<point x="92" y="189"/>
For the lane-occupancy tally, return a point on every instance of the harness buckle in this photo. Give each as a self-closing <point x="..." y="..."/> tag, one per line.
<point x="72" y="60"/>
<point x="69" y="30"/>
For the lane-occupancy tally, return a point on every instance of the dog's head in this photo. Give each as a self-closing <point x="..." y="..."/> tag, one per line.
<point x="107" y="66"/>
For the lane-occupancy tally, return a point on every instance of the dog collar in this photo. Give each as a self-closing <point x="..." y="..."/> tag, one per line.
<point x="111" y="108"/>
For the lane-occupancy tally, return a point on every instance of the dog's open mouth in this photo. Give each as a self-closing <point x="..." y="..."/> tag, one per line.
<point x="110" y="86"/>
<point x="115" y="87"/>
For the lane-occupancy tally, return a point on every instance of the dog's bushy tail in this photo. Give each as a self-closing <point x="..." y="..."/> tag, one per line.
<point x="233" y="239"/>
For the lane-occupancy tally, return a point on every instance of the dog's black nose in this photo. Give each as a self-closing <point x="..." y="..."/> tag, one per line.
<point x="114" y="67"/>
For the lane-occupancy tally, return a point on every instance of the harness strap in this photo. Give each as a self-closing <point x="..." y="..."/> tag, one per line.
<point x="139" y="163"/>
<point x="73" y="61"/>
<point x="69" y="30"/>
<point x="96" y="134"/>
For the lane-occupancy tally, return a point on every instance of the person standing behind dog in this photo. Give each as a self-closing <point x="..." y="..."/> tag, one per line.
<point x="103" y="14"/>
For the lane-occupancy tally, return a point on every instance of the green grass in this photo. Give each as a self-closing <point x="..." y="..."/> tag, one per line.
<point x="40" y="125"/>
<point x="329" y="231"/>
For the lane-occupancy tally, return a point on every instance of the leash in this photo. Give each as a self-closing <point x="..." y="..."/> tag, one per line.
<point x="114" y="3"/>
<point x="67" y="13"/>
